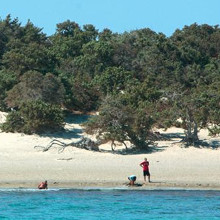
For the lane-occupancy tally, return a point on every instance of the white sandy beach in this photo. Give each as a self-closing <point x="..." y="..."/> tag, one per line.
<point x="171" y="165"/>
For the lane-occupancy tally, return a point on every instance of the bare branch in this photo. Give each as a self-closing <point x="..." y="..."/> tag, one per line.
<point x="84" y="143"/>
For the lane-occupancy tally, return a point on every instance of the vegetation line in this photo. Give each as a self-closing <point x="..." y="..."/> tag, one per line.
<point x="137" y="80"/>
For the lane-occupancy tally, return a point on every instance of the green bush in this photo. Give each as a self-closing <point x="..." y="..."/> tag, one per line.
<point x="34" y="117"/>
<point x="14" y="122"/>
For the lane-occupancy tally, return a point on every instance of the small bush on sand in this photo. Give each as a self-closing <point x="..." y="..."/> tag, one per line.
<point x="34" y="117"/>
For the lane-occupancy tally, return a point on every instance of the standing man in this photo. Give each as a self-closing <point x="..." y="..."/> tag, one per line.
<point x="145" y="166"/>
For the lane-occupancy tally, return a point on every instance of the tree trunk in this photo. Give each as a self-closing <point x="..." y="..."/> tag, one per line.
<point x="192" y="133"/>
<point x="138" y="142"/>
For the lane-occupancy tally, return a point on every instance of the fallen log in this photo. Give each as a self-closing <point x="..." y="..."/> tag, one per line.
<point x="84" y="143"/>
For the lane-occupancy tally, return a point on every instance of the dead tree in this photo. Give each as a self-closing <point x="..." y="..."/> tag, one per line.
<point x="84" y="143"/>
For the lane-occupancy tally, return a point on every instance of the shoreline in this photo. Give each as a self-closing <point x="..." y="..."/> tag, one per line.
<point x="110" y="185"/>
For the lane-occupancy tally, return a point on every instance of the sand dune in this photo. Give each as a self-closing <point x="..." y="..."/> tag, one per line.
<point x="171" y="165"/>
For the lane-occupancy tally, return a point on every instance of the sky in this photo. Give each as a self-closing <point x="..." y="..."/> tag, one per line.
<point x="117" y="15"/>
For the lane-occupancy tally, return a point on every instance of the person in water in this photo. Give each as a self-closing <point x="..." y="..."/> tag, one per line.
<point x="132" y="180"/>
<point x="43" y="185"/>
<point x="145" y="166"/>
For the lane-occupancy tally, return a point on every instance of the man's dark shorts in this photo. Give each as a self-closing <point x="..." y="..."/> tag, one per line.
<point x="146" y="173"/>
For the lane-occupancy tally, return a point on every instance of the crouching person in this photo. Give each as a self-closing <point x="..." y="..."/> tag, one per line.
<point x="43" y="185"/>
<point x="132" y="180"/>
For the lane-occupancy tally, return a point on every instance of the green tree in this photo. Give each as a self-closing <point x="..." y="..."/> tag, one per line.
<point x="70" y="38"/>
<point x="28" y="51"/>
<point x="34" y="117"/>
<point x="127" y="116"/>
<point x="7" y="81"/>
<point x="85" y="96"/>
<point x="9" y="29"/>
<point x="96" y="56"/>
<point x="196" y="101"/>
<point x="113" y="79"/>
<point x="35" y="86"/>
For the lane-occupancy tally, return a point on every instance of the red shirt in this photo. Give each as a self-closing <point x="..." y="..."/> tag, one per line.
<point x="145" y="165"/>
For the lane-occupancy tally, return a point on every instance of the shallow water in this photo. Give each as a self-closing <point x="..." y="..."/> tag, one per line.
<point x="109" y="204"/>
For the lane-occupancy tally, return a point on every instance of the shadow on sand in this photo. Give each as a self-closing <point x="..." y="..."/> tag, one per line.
<point x="133" y="151"/>
<point x="70" y="132"/>
<point x="65" y="134"/>
<point x="171" y="136"/>
<point x="76" y="118"/>
<point x="212" y="144"/>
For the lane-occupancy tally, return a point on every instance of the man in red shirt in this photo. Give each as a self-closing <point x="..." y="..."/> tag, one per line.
<point x="145" y="166"/>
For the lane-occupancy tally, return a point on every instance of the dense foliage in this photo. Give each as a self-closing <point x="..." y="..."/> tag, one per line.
<point x="34" y="117"/>
<point x="136" y="80"/>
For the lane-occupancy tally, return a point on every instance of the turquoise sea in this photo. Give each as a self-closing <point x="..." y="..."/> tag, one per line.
<point x="109" y="204"/>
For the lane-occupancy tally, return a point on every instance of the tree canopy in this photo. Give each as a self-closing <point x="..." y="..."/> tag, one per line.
<point x="136" y="80"/>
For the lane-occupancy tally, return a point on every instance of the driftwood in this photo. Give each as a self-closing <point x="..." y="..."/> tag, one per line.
<point x="84" y="143"/>
<point x="67" y="159"/>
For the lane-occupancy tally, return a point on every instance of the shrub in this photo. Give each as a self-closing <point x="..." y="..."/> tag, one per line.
<point x="34" y="117"/>
<point x="14" y="122"/>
